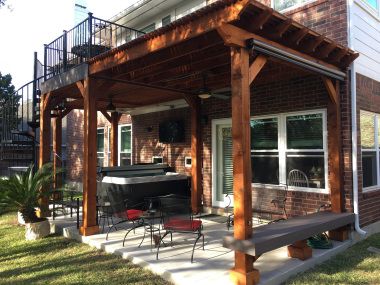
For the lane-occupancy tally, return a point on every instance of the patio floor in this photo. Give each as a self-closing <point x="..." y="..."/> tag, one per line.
<point x="210" y="266"/>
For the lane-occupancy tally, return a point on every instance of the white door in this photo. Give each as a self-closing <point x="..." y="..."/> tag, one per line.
<point x="222" y="164"/>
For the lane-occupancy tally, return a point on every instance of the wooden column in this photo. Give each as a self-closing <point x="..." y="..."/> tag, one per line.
<point x="196" y="157"/>
<point x="44" y="149"/>
<point x="89" y="226"/>
<point x="243" y="272"/>
<point x="335" y="154"/>
<point x="57" y="151"/>
<point x="114" y="139"/>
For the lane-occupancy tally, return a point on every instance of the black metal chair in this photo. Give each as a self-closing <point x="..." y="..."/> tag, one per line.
<point x="178" y="218"/>
<point x="124" y="211"/>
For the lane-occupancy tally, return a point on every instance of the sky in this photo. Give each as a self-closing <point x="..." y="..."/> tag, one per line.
<point x="29" y="24"/>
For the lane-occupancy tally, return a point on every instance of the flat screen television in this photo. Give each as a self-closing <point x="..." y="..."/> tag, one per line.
<point x="171" y="132"/>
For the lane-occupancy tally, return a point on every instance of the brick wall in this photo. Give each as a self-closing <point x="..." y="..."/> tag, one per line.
<point x="75" y="142"/>
<point x="368" y="99"/>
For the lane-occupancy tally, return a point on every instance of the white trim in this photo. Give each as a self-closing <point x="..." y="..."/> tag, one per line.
<point x="214" y="174"/>
<point x="281" y="152"/>
<point x="376" y="149"/>
<point x="119" y="142"/>
<point x="104" y="149"/>
<point x="293" y="7"/>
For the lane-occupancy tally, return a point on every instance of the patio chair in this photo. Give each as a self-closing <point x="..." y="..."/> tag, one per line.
<point x="297" y="178"/>
<point x="124" y="211"/>
<point x="178" y="218"/>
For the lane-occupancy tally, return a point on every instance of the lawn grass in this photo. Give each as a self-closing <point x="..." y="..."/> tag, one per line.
<point x="57" y="260"/>
<point x="355" y="266"/>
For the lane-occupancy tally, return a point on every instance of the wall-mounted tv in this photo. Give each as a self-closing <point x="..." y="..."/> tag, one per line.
<point x="171" y="132"/>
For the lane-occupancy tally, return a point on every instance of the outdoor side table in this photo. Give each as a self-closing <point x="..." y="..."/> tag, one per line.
<point x="150" y="219"/>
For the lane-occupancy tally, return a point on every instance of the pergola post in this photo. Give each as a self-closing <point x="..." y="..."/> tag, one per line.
<point x="196" y="156"/>
<point x="114" y="138"/>
<point x="335" y="155"/>
<point x="196" y="153"/>
<point x="44" y="155"/>
<point x="89" y="226"/>
<point x="243" y="272"/>
<point x="57" y="150"/>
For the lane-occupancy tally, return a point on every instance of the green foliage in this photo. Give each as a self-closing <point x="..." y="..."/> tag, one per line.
<point x="9" y="101"/>
<point x="23" y="191"/>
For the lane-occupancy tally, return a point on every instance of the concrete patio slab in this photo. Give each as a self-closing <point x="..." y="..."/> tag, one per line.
<point x="210" y="266"/>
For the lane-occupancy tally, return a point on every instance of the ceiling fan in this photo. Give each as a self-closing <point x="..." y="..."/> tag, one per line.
<point x="204" y="92"/>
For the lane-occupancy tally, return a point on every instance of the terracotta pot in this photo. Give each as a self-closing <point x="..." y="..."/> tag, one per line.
<point x="37" y="230"/>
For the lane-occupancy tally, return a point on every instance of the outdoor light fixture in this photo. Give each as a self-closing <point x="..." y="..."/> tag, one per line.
<point x="111" y="107"/>
<point x="204" y="92"/>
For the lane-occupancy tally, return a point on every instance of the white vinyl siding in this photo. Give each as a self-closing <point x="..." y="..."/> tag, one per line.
<point x="366" y="38"/>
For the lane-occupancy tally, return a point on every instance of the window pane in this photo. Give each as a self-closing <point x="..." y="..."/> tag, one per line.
<point x="125" y="139"/>
<point x="264" y="134"/>
<point x="100" y="140"/>
<point x="367" y="130"/>
<point x="265" y="169"/>
<point x="312" y="164"/>
<point x="372" y="3"/>
<point x="149" y="28"/>
<point x="284" y="4"/>
<point x="125" y="159"/>
<point x="304" y="131"/>
<point x="166" y="21"/>
<point x="369" y="168"/>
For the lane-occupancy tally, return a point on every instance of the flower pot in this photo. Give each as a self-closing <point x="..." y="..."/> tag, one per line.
<point x="20" y="219"/>
<point x="37" y="230"/>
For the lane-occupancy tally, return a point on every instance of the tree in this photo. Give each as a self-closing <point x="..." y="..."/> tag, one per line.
<point x="9" y="103"/>
<point x="2" y="3"/>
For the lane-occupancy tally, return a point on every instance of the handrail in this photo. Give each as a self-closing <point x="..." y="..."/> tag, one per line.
<point x="89" y="38"/>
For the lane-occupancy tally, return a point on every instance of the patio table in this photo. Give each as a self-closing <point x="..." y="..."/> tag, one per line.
<point x="150" y="219"/>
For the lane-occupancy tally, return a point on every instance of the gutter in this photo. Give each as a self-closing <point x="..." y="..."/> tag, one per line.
<point x="354" y="130"/>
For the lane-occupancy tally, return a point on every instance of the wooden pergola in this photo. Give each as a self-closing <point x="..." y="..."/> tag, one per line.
<point x="231" y="41"/>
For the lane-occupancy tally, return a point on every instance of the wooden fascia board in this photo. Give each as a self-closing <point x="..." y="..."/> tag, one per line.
<point x="197" y="27"/>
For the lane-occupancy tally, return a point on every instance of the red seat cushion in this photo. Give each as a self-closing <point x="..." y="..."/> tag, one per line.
<point x="131" y="214"/>
<point x="182" y="225"/>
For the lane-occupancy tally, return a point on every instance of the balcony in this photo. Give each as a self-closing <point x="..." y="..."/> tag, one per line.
<point x="91" y="37"/>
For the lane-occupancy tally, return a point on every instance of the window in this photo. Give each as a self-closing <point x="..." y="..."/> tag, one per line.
<point x="264" y="150"/>
<point x="149" y="28"/>
<point x="369" y="133"/>
<point x="372" y="3"/>
<point x="125" y="145"/>
<point x="166" y="21"/>
<point x="289" y="141"/>
<point x="281" y="5"/>
<point x="157" y="159"/>
<point x="100" y="146"/>
<point x="109" y="146"/>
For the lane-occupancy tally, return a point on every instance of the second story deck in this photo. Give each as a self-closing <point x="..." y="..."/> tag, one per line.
<point x="91" y="37"/>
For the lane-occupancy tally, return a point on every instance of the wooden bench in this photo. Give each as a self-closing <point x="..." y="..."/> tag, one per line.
<point x="292" y="232"/>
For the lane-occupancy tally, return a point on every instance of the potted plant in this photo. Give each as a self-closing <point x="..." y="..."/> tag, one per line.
<point x="23" y="191"/>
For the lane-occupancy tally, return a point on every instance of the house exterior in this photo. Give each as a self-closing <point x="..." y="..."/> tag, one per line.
<point x="350" y="23"/>
<point x="249" y="93"/>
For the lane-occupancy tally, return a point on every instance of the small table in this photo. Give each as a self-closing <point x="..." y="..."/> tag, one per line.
<point x="149" y="217"/>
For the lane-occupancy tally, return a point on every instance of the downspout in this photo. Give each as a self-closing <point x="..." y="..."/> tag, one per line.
<point x="354" y="130"/>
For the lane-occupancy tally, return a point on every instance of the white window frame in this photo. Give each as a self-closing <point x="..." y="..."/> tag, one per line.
<point x="158" y="157"/>
<point x="376" y="150"/>
<point x="293" y="7"/>
<point x="109" y="146"/>
<point x="281" y="151"/>
<point x="366" y="6"/>
<point x="119" y="143"/>
<point x="101" y="152"/>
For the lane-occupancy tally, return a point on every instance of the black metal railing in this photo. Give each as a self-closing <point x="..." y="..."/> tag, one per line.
<point x="89" y="38"/>
<point x="20" y="113"/>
